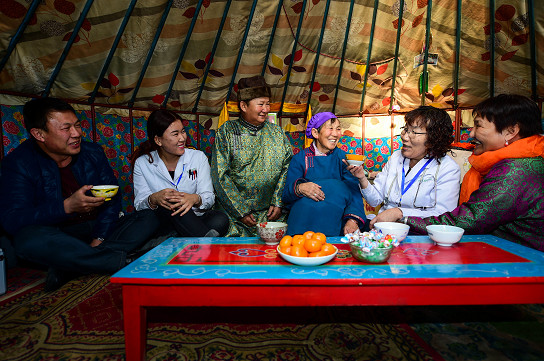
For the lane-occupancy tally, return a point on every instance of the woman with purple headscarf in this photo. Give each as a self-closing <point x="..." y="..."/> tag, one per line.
<point x="321" y="193"/>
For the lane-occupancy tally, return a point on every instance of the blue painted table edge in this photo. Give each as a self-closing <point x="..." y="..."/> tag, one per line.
<point x="153" y="265"/>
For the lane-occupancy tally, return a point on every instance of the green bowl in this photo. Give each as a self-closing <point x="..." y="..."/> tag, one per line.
<point x="376" y="255"/>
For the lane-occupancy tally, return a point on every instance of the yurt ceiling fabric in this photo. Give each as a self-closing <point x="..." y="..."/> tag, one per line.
<point x="349" y="57"/>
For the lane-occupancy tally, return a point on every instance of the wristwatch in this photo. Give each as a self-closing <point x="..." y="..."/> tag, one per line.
<point x="404" y="220"/>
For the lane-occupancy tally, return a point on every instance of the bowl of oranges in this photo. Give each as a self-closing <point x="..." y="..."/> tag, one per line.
<point x="308" y="249"/>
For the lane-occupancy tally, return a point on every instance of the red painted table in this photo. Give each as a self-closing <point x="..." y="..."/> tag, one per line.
<point x="246" y="272"/>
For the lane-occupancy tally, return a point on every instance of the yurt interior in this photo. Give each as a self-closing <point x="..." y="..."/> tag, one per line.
<point x="235" y="297"/>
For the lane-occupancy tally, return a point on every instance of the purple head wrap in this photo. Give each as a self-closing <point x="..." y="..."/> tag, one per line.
<point x="316" y="121"/>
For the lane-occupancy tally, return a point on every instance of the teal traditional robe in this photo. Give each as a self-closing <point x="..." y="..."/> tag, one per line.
<point x="248" y="167"/>
<point x="509" y="204"/>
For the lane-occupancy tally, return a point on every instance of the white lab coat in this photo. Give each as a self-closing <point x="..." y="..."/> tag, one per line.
<point x="436" y="182"/>
<point x="192" y="171"/>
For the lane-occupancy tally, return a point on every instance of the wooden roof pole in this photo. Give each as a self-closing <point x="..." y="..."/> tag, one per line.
<point x="150" y="53"/>
<point x="373" y="26"/>
<point x="272" y="33"/>
<point x="492" y="45"/>
<point x="182" y="54"/>
<point x="457" y="56"/>
<point x="425" y="80"/>
<point x="241" y="50"/>
<point x="396" y="59"/>
<point x="67" y="48"/>
<point x="532" y="40"/>
<point x="214" y="48"/>
<point x="292" y="57"/>
<point x="112" y="50"/>
<point x="323" y="24"/>
<point x="344" y="46"/>
<point x="20" y="30"/>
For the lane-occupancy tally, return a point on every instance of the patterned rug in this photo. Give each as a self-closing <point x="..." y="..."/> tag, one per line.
<point x="83" y="321"/>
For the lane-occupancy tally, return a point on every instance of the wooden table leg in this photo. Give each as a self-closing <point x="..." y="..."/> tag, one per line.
<point x="135" y="322"/>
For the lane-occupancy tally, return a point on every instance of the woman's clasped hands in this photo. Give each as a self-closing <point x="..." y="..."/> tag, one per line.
<point x="178" y="202"/>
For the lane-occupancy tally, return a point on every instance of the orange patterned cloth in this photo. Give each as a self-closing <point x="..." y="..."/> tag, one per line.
<point x="529" y="147"/>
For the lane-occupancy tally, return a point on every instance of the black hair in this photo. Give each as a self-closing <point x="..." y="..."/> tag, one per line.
<point x="507" y="110"/>
<point x="439" y="129"/>
<point x="159" y="120"/>
<point x="36" y="111"/>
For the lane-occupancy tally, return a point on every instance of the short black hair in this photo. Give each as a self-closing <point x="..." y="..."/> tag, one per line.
<point x="36" y="111"/>
<point x="507" y="110"/>
<point x="439" y="129"/>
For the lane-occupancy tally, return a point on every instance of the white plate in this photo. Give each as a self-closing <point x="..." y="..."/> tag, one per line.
<point x="307" y="261"/>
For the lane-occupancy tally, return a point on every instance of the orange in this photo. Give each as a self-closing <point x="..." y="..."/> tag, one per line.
<point x="286" y="241"/>
<point x="286" y="250"/>
<point x="308" y="234"/>
<point x="299" y="251"/>
<point x="320" y="237"/>
<point x="298" y="240"/>
<point x="312" y="245"/>
<point x="328" y="248"/>
<point x="317" y="254"/>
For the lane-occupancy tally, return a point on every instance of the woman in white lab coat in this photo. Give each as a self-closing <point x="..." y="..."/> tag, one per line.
<point x="175" y="181"/>
<point x="420" y="179"/>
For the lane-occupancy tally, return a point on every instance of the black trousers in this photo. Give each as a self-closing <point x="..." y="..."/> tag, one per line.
<point x="191" y="225"/>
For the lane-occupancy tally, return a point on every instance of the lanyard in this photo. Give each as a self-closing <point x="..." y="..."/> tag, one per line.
<point x="182" y="171"/>
<point x="434" y="188"/>
<point x="404" y="190"/>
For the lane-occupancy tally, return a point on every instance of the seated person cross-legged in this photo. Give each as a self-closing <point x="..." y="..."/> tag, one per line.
<point x="420" y="179"/>
<point x="175" y="181"/>
<point x="503" y="192"/>
<point x="321" y="193"/>
<point x="46" y="205"/>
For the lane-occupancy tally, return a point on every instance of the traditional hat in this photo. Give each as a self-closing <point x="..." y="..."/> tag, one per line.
<point x="316" y="121"/>
<point x="253" y="87"/>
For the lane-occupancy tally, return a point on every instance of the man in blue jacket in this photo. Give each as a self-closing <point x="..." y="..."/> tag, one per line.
<point x="46" y="203"/>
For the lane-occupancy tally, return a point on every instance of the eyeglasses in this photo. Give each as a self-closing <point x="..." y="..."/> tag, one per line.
<point x="411" y="133"/>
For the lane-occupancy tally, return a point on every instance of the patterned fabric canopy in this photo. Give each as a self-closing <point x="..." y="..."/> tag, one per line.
<point x="348" y="57"/>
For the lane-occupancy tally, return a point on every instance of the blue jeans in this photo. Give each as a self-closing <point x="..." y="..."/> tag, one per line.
<point x="68" y="248"/>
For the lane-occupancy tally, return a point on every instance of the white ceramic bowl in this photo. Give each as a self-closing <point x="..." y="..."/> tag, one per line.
<point x="271" y="232"/>
<point x="106" y="191"/>
<point x="355" y="162"/>
<point x="307" y="261"/>
<point x="399" y="230"/>
<point x="445" y="235"/>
